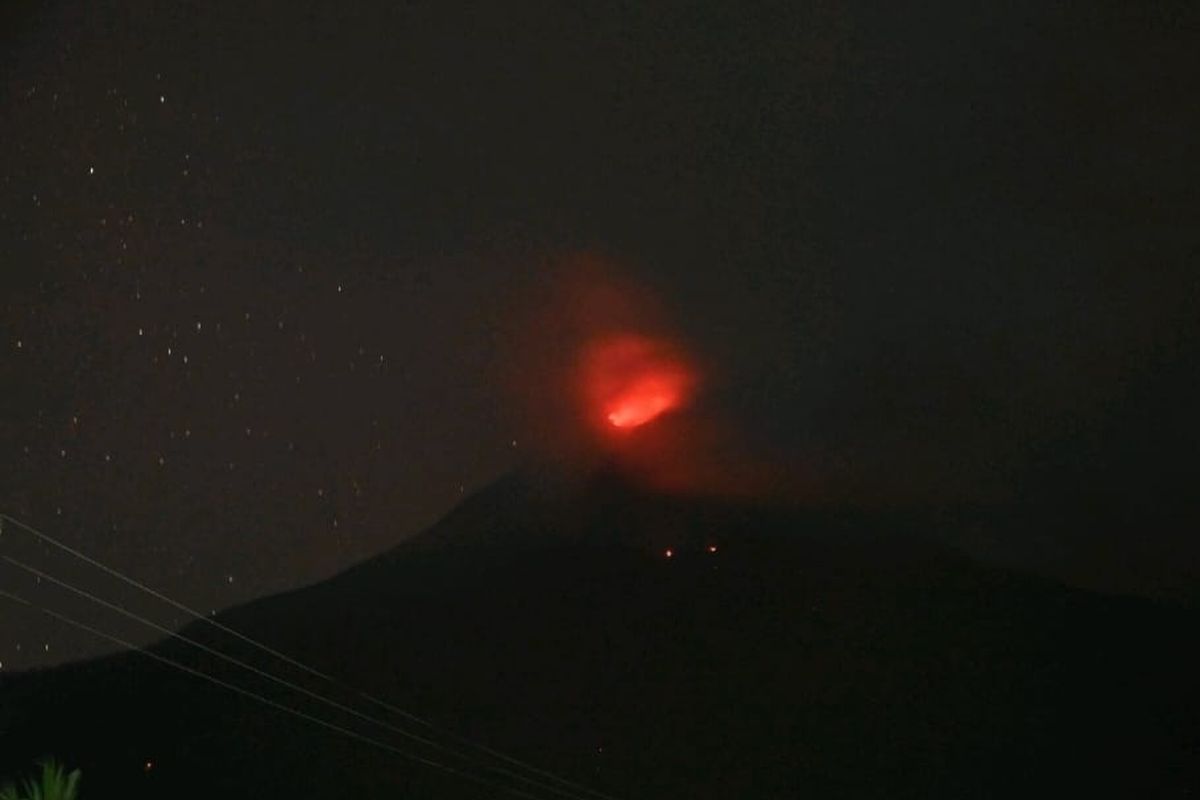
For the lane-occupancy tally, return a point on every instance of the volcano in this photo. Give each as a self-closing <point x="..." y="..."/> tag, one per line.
<point x="649" y="646"/>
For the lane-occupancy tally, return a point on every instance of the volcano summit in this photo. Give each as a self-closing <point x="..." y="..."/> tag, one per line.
<point x="774" y="654"/>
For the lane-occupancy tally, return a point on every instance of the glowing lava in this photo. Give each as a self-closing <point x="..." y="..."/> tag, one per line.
<point x="643" y="401"/>
<point x="632" y="380"/>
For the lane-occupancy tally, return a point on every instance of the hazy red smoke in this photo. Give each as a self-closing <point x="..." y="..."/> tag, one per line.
<point x="599" y="373"/>
<point x="627" y="380"/>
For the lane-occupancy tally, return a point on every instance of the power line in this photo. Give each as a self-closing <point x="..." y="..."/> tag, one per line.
<point x="196" y="615"/>
<point x="280" y="681"/>
<point x="266" y="701"/>
<point x="483" y="748"/>
<point x="158" y="595"/>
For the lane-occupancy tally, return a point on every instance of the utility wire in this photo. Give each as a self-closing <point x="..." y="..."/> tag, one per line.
<point x="196" y="615"/>
<point x="158" y="595"/>
<point x="266" y="701"/>
<point x="280" y="681"/>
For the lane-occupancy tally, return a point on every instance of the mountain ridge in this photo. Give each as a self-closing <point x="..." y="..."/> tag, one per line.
<point x="813" y="650"/>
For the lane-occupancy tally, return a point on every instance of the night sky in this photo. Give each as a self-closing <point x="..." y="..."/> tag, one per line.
<point x="281" y="282"/>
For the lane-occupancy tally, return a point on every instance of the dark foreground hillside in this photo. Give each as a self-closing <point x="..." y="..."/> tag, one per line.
<point x="820" y="655"/>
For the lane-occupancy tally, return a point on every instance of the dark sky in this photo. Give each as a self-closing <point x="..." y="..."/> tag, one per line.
<point x="264" y="265"/>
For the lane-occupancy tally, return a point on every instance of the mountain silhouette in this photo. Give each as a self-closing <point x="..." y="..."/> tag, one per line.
<point x="773" y="653"/>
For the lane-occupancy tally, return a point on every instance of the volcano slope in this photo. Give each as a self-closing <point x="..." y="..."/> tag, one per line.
<point x="773" y="654"/>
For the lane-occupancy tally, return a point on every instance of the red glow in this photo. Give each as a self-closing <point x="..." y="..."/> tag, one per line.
<point x="669" y="553"/>
<point x="642" y="402"/>
<point x="631" y="380"/>
<point x="597" y="373"/>
<point x="712" y="548"/>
